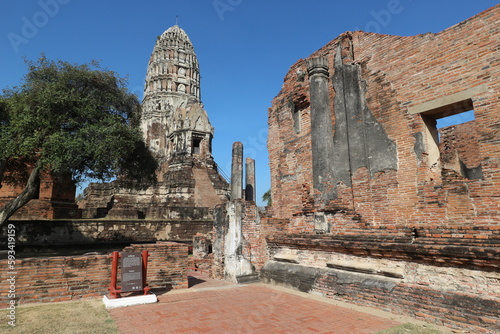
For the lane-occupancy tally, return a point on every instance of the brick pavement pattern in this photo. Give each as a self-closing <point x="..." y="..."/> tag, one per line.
<point x="219" y="307"/>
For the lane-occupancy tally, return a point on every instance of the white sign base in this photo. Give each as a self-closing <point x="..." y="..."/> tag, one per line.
<point x="129" y="301"/>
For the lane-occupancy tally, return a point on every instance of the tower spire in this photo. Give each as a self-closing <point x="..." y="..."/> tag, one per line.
<point x="177" y="20"/>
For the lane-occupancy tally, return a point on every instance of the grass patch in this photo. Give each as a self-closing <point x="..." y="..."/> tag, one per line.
<point x="410" y="329"/>
<point x="81" y="317"/>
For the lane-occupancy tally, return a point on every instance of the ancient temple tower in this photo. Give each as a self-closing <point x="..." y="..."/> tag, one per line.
<point x="174" y="122"/>
<point x="177" y="130"/>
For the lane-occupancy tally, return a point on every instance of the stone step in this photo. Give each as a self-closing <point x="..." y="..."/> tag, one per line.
<point x="248" y="279"/>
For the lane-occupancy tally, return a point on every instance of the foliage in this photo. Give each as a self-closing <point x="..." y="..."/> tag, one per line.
<point x="77" y="119"/>
<point x="266" y="197"/>
<point x="70" y="119"/>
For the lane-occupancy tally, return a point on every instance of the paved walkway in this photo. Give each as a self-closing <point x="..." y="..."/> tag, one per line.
<point x="211" y="306"/>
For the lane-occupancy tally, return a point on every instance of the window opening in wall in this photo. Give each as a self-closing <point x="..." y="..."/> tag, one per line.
<point x="297" y="106"/>
<point x="452" y="140"/>
<point x="457" y="119"/>
<point x="196" y="146"/>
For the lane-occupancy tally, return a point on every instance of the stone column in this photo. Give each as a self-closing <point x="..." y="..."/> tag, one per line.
<point x="250" y="179"/>
<point x="321" y="127"/>
<point x="237" y="171"/>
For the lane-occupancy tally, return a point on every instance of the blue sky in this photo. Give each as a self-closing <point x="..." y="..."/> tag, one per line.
<point x="244" y="47"/>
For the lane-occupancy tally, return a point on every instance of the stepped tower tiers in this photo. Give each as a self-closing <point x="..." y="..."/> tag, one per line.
<point x="173" y="121"/>
<point x="177" y="130"/>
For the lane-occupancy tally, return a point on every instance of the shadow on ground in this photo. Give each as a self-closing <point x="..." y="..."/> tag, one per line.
<point x="192" y="281"/>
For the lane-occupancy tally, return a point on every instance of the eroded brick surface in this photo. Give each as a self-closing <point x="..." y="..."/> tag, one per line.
<point x="55" y="198"/>
<point x="396" y="192"/>
<point x="410" y="72"/>
<point x="65" y="278"/>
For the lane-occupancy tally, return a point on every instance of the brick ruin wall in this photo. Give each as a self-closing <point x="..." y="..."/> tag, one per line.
<point x="412" y="71"/>
<point x="395" y="197"/>
<point x="57" y="279"/>
<point x="55" y="198"/>
<point x="254" y="228"/>
<point x="189" y="191"/>
<point x="438" y="293"/>
<point x="458" y="147"/>
<point x="167" y="264"/>
<point x="84" y="232"/>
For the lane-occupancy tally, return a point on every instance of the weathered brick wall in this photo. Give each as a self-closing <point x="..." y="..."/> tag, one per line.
<point x="188" y="191"/>
<point x="46" y="209"/>
<point x="459" y="145"/>
<point x="55" y="198"/>
<point x="252" y="229"/>
<point x="443" y="284"/>
<point x="202" y="258"/>
<point x="58" y="278"/>
<point x="247" y="235"/>
<point x="400" y="73"/>
<point x="397" y="195"/>
<point x="255" y="229"/>
<point x="167" y="264"/>
<point x="203" y="265"/>
<point x="219" y="232"/>
<point x="104" y="231"/>
<point x="73" y="277"/>
<point x="437" y="251"/>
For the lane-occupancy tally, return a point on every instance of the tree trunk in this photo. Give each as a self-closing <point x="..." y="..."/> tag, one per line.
<point x="23" y="198"/>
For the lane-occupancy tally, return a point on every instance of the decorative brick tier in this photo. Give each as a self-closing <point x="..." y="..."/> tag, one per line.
<point x="73" y="232"/>
<point x="484" y="254"/>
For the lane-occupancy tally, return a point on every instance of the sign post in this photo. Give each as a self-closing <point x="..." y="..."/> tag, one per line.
<point x="133" y="273"/>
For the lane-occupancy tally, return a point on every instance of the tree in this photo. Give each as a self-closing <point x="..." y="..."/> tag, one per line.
<point x="266" y="197"/>
<point x="71" y="119"/>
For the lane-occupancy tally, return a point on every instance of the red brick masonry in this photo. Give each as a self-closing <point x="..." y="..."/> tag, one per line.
<point x="381" y="193"/>
<point x="63" y="278"/>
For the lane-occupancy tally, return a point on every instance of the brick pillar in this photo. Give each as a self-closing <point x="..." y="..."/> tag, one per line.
<point x="321" y="128"/>
<point x="237" y="171"/>
<point x="250" y="180"/>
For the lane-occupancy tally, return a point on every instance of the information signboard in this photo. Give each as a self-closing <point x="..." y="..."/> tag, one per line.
<point x="131" y="272"/>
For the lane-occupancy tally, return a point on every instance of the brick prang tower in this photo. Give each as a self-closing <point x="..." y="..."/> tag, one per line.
<point x="177" y="130"/>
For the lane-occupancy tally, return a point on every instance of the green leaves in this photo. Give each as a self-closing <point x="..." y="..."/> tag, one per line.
<point x="266" y="197"/>
<point x="74" y="118"/>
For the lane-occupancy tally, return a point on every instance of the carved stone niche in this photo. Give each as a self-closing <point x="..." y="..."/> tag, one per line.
<point x="182" y="57"/>
<point x="197" y="146"/>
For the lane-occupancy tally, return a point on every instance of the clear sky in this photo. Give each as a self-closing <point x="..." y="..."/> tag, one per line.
<point x="244" y="47"/>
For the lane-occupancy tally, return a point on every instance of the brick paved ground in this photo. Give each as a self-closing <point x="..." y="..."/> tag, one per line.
<point x="219" y="307"/>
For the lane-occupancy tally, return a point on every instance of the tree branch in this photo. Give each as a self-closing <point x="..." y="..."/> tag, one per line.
<point x="32" y="186"/>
